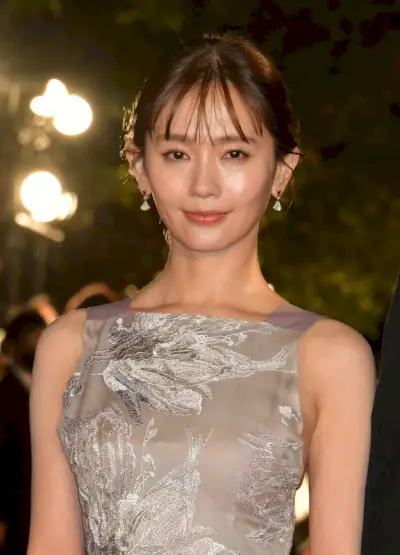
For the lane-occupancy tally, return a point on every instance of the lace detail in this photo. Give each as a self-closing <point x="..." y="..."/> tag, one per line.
<point x="102" y="458"/>
<point x="73" y="390"/>
<point x="168" y="366"/>
<point x="288" y="413"/>
<point x="144" y="515"/>
<point x="268" y="487"/>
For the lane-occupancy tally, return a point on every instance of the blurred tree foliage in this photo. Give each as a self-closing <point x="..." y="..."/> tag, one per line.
<point x="337" y="249"/>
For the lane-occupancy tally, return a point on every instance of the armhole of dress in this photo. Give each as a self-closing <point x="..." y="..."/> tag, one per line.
<point x="75" y="384"/>
<point x="85" y="334"/>
<point x="296" y="322"/>
<point x="304" y="322"/>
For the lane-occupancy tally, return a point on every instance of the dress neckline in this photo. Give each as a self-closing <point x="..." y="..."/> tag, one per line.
<point x="283" y="307"/>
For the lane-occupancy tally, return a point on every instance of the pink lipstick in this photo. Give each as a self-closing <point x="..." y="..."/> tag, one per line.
<point x="207" y="217"/>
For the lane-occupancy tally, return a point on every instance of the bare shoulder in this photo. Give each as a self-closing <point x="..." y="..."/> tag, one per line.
<point x="334" y="354"/>
<point x="60" y="349"/>
<point x="335" y="339"/>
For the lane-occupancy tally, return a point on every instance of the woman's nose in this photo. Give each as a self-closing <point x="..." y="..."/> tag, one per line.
<point x="205" y="181"/>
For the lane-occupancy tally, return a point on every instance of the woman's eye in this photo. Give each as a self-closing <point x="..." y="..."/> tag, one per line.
<point x="175" y="155"/>
<point x="236" y="154"/>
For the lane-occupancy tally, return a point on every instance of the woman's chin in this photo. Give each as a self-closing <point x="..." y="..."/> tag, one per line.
<point x="201" y="244"/>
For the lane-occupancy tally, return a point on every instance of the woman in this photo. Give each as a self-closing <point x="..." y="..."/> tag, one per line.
<point x="182" y="420"/>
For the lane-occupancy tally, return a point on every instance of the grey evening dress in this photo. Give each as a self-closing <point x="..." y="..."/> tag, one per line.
<point x="183" y="432"/>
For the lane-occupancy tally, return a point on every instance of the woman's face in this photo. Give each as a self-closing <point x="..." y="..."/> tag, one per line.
<point x="210" y="189"/>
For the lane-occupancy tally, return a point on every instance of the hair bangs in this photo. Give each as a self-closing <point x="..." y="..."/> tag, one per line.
<point x="211" y="89"/>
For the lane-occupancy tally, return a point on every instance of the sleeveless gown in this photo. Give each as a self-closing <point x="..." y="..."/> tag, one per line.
<point x="183" y="432"/>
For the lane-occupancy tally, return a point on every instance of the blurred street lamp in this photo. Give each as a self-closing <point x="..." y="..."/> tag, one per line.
<point x="42" y="195"/>
<point x="71" y="114"/>
<point x="75" y="117"/>
<point x="51" y="102"/>
<point x="67" y="206"/>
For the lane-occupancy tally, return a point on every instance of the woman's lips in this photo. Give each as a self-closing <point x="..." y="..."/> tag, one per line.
<point x="209" y="217"/>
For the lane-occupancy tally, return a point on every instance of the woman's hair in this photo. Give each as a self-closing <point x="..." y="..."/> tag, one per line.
<point x="209" y="66"/>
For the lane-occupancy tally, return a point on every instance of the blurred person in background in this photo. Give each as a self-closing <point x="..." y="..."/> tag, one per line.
<point x="18" y="349"/>
<point x="93" y="294"/>
<point x="381" y="534"/>
<point x="42" y="305"/>
<point x="183" y="420"/>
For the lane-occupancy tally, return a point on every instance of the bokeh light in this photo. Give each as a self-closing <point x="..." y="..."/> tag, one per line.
<point x="67" y="206"/>
<point x="71" y="114"/>
<point x="302" y="502"/>
<point x="74" y="117"/>
<point x="41" y="194"/>
<point x="53" y="100"/>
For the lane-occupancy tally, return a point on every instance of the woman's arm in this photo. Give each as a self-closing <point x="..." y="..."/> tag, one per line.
<point x="56" y="520"/>
<point x="339" y="367"/>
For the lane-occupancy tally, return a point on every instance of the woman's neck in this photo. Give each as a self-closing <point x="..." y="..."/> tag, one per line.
<point x="205" y="281"/>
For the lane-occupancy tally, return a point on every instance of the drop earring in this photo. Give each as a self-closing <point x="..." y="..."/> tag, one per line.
<point x="145" y="206"/>
<point x="277" y="204"/>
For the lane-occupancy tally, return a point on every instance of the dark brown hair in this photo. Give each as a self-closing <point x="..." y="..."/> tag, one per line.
<point x="210" y="65"/>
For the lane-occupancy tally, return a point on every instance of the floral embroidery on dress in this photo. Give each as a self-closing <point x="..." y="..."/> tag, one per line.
<point x="167" y="366"/>
<point x="287" y="413"/>
<point x="73" y="389"/>
<point x="152" y="483"/>
<point x="268" y="487"/>
<point x="126" y="509"/>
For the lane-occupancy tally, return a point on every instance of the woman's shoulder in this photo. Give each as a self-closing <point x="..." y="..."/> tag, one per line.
<point x="323" y="333"/>
<point x="68" y="328"/>
<point x="57" y="356"/>
<point x="60" y="348"/>
<point x="332" y="336"/>
<point x="332" y="353"/>
<point x="62" y="344"/>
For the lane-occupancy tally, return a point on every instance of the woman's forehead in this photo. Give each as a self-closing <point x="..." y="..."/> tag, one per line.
<point x="212" y="115"/>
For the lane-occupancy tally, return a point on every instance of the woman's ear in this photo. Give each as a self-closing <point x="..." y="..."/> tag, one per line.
<point x="284" y="172"/>
<point x="140" y="175"/>
<point x="131" y="153"/>
<point x="136" y="165"/>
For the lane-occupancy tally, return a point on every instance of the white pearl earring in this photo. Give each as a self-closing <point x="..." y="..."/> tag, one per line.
<point x="277" y="204"/>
